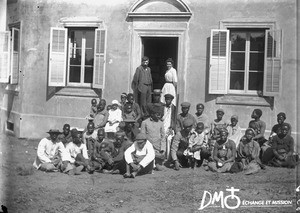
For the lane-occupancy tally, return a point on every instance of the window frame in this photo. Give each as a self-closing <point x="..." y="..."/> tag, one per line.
<point x="99" y="66"/>
<point x="245" y="91"/>
<point x="81" y="84"/>
<point x="12" y="76"/>
<point x="272" y="79"/>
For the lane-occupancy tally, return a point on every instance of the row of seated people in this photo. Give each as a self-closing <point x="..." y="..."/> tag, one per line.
<point x="191" y="140"/>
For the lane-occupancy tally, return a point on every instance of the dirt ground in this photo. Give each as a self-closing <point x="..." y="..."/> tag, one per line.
<point x="165" y="191"/>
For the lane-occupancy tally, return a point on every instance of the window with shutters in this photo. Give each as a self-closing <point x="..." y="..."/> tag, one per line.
<point x="81" y="56"/>
<point x="245" y="61"/>
<point x="77" y="57"/>
<point x="10" y="55"/>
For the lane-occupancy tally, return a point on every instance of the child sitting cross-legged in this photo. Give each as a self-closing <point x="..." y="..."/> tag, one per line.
<point x="78" y="152"/>
<point x="198" y="140"/>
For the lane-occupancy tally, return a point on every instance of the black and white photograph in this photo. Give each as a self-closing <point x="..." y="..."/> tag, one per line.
<point x="149" y="106"/>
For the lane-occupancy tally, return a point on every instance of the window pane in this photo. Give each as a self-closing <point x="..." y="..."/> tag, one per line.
<point x="237" y="61"/>
<point x="256" y="61"/>
<point x="237" y="80"/>
<point x="76" y="38"/>
<point x="75" y="57"/>
<point x="90" y="39"/>
<point x="74" y="74"/>
<point x="16" y="41"/>
<point x="238" y="41"/>
<point x="257" y="41"/>
<point x="88" y="74"/>
<point x="89" y="57"/>
<point x="255" y="81"/>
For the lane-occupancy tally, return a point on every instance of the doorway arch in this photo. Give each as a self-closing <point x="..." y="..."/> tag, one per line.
<point x="155" y="21"/>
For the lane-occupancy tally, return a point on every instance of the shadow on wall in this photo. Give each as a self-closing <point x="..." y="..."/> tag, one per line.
<point x="208" y="97"/>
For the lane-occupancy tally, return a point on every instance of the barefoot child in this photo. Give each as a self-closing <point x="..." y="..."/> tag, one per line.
<point x="139" y="157"/>
<point x="198" y="139"/>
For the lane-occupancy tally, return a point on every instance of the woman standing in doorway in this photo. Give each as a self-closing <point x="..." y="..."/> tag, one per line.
<point x="171" y="82"/>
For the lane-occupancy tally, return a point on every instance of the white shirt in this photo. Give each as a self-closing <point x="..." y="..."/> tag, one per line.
<point x="167" y="118"/>
<point x="171" y="75"/>
<point x="147" y="151"/>
<point x="74" y="150"/>
<point x="47" y="151"/>
<point x="86" y="136"/>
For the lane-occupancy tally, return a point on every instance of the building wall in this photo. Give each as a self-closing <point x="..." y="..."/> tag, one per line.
<point x="37" y="107"/>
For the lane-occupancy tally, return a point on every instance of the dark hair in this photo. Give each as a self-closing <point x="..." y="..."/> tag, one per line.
<point x="101" y="130"/>
<point x="145" y="58"/>
<point x="258" y="112"/>
<point x="129" y="95"/>
<point x="66" y="125"/>
<point x="281" y="114"/>
<point x="102" y="100"/>
<point x="170" y="60"/>
<point x="200" y="124"/>
<point x="199" y="105"/>
<point x="285" y="124"/>
<point x="127" y="105"/>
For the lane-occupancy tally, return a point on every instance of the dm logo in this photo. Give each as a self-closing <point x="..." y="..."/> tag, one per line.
<point x="219" y="197"/>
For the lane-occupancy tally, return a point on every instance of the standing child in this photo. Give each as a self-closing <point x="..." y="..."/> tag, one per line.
<point x="234" y="130"/>
<point x="93" y="110"/>
<point x="259" y="126"/>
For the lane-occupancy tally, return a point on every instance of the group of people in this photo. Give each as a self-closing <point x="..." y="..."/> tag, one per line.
<point x="131" y="139"/>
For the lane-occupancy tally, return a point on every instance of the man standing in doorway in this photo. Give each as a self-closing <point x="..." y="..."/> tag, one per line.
<point x="142" y="84"/>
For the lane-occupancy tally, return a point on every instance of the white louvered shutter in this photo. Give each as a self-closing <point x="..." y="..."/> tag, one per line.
<point x="15" y="53"/>
<point x="218" y="71"/>
<point x="273" y="60"/>
<point x="58" y="57"/>
<point x="99" y="59"/>
<point x="4" y="56"/>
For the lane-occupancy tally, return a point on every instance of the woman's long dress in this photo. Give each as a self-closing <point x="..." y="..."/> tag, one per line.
<point x="169" y="88"/>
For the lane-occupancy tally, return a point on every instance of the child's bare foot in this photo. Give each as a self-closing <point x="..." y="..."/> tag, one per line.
<point x="133" y="174"/>
<point x="126" y="175"/>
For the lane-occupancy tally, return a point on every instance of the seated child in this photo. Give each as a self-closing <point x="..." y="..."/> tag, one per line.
<point x="93" y="110"/>
<point x="218" y="124"/>
<point x="108" y="107"/>
<point x="234" y="130"/>
<point x="114" y="118"/>
<point x="128" y="113"/>
<point x="248" y="153"/>
<point x="283" y="148"/>
<point x="259" y="126"/>
<point x="96" y="162"/>
<point x="78" y="153"/>
<point x="123" y="100"/>
<point x="267" y="150"/>
<point x="65" y="137"/>
<point x="197" y="141"/>
<point x="223" y="154"/>
<point x="90" y="133"/>
<point x="139" y="157"/>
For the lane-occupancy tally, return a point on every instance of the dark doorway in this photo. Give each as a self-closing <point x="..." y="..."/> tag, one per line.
<point x="159" y="49"/>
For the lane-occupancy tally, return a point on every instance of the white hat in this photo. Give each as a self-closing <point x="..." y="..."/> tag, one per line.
<point x="115" y="102"/>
